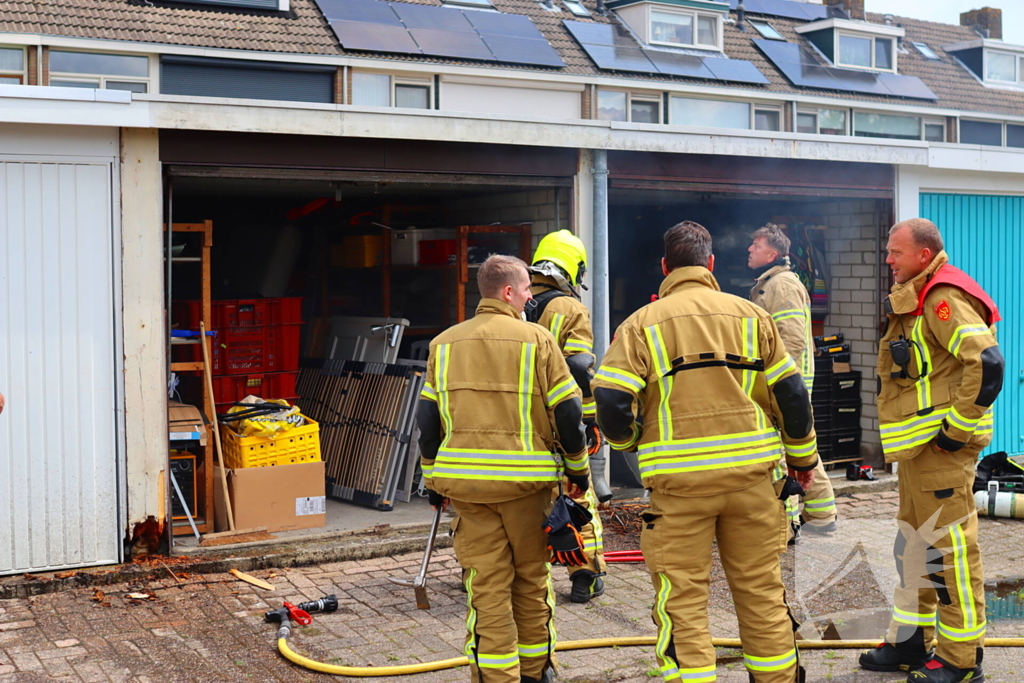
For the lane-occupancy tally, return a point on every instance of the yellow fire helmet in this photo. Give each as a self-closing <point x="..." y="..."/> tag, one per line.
<point x="566" y="251"/>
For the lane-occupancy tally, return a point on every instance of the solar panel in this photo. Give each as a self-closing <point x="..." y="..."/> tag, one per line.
<point x="620" y="58"/>
<point x="361" y="35"/>
<point x="370" y="11"/>
<point x="737" y="70"/>
<point x="522" y="51"/>
<point x="678" y="65"/>
<point x="599" y="34"/>
<point x="784" y="8"/>
<point x="426" y="16"/>
<point x="802" y="69"/>
<point x="512" y="25"/>
<point x="451" y="44"/>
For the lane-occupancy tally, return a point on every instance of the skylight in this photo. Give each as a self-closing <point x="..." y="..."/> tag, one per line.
<point x="576" y="8"/>
<point x="766" y="30"/>
<point x="926" y="51"/>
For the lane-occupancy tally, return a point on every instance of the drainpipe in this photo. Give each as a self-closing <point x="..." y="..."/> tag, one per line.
<point x="599" y="278"/>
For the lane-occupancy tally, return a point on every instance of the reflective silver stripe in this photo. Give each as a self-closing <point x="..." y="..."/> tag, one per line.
<point x="497" y="661"/>
<point x="710" y="443"/>
<point x="576" y="465"/>
<point x="770" y="663"/>
<point x="962" y="571"/>
<point x="428" y="392"/>
<point x="556" y="326"/>
<point x="526" y="372"/>
<point x="775" y="373"/>
<point x="962" y="634"/>
<point x="803" y="450"/>
<point x="702" y="674"/>
<point x="495" y="474"/>
<point x="924" y="384"/>
<point x="560" y="391"/>
<point x="443" y="399"/>
<point x="665" y="380"/>
<point x="620" y="377"/>
<point x="497" y="457"/>
<point x="960" y="422"/>
<point x="691" y="464"/>
<point x="912" y="618"/>
<point x="579" y="345"/>
<point x="540" y="650"/>
<point x="820" y="504"/>
<point x="789" y="313"/>
<point x="963" y="332"/>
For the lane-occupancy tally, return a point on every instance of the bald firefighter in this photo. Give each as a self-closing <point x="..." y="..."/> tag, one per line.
<point x="558" y="268"/>
<point x="779" y="291"/>
<point x="939" y="372"/>
<point x="719" y="398"/>
<point x="498" y="405"/>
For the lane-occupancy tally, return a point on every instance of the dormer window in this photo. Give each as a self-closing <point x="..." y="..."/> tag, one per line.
<point x="992" y="61"/>
<point x="693" y="24"/>
<point x="1001" y="66"/>
<point x="855" y="44"/>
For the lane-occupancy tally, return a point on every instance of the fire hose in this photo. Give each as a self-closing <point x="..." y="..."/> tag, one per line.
<point x="302" y="614"/>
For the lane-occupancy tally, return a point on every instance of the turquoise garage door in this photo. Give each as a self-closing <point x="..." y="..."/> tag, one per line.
<point x="984" y="236"/>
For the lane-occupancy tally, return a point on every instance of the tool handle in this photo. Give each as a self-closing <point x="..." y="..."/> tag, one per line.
<point x="328" y="603"/>
<point x="430" y="541"/>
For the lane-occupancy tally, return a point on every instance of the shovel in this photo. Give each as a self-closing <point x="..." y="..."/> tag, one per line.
<point x="419" y="584"/>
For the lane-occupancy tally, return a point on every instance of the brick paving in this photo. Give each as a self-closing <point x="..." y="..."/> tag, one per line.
<point x="210" y="628"/>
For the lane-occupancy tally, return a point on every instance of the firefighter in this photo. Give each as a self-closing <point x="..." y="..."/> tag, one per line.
<point x="779" y="291"/>
<point x="939" y="371"/>
<point x="719" y="398"/>
<point x="558" y="268"/>
<point x="497" y="405"/>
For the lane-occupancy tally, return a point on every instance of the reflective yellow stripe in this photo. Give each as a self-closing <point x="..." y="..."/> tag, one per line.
<point x="497" y="661"/>
<point x="770" y="663"/>
<point x="578" y="345"/>
<point x="669" y="667"/>
<point x="912" y="618"/>
<point x="623" y="445"/>
<point x="986" y="425"/>
<point x="789" y="313"/>
<point x="526" y="362"/>
<point x="803" y="450"/>
<point x="589" y="407"/>
<point x="659" y="353"/>
<point x="470" y="617"/>
<point x="701" y="674"/>
<point x="550" y="602"/>
<point x="428" y="470"/>
<point x="557" y="319"/>
<point x="924" y="365"/>
<point x="962" y="572"/>
<point x="428" y="393"/>
<point x="962" y="423"/>
<point x="561" y="391"/>
<point x="961" y="635"/>
<point x="540" y="650"/>
<point x="441" y="364"/>
<point x="963" y="332"/>
<point x="821" y="505"/>
<point x="494" y="465"/>
<point x="576" y="466"/>
<point x="748" y="377"/>
<point x="709" y="453"/>
<point x="776" y="372"/>
<point x="623" y="378"/>
<point x="918" y="430"/>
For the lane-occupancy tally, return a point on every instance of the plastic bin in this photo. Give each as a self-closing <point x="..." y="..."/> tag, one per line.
<point x="838" y="444"/>
<point x="250" y="350"/>
<point x="295" y="446"/>
<point x="405" y="244"/>
<point x="438" y="252"/>
<point x="271" y="385"/>
<point x="240" y="312"/>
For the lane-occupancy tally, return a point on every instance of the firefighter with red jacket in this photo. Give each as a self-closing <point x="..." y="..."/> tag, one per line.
<point x="719" y="397"/>
<point x="939" y="372"/>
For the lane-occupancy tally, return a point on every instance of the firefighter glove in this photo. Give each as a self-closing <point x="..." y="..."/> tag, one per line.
<point x="580" y="480"/>
<point x="566" y="547"/>
<point x="434" y="498"/>
<point x="594" y="440"/>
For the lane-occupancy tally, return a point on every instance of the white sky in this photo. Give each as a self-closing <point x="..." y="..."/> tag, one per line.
<point x="948" y="12"/>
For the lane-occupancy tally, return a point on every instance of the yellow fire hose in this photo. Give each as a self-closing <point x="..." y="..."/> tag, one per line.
<point x="367" y="671"/>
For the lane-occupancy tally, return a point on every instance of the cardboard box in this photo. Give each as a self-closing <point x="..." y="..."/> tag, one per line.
<point x="185" y="423"/>
<point x="280" y="498"/>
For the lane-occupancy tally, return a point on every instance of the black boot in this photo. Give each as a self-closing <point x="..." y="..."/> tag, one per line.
<point x="906" y="655"/>
<point x="585" y="585"/>
<point x="547" y="677"/>
<point x="938" y="670"/>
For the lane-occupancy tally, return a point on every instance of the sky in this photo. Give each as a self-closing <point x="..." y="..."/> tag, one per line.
<point x="948" y="12"/>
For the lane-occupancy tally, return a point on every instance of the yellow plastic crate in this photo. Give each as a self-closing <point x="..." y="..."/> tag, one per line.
<point x="295" y="446"/>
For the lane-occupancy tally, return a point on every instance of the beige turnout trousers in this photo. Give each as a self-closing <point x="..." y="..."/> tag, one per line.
<point x="511" y="605"/>
<point x="942" y="582"/>
<point x="676" y="542"/>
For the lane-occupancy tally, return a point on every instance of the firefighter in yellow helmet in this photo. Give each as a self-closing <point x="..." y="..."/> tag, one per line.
<point x="718" y="398"/>
<point x="558" y="268"/>
<point x="497" y="405"/>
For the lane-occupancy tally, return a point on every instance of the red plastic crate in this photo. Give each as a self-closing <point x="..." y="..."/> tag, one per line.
<point x="240" y="312"/>
<point x="438" y="252"/>
<point x="268" y="385"/>
<point x="251" y="350"/>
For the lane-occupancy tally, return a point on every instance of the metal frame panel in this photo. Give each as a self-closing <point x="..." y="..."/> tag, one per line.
<point x="61" y="364"/>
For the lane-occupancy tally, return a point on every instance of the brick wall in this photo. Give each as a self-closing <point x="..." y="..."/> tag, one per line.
<point x="857" y="268"/>
<point x="46" y="65"/>
<point x="32" y="64"/>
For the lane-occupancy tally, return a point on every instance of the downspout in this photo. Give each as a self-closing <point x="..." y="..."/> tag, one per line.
<point x="599" y="278"/>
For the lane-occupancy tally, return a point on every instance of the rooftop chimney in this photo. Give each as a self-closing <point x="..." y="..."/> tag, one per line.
<point x="988" y="21"/>
<point x="854" y="8"/>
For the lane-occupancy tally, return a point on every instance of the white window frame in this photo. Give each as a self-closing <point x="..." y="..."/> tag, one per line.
<point x="852" y="116"/>
<point x="734" y="100"/>
<point x="656" y="98"/>
<point x="816" y="113"/>
<point x="765" y="22"/>
<point x="396" y="80"/>
<point x="774" y="108"/>
<point x="695" y="15"/>
<point x="102" y="79"/>
<point x="468" y="4"/>
<point x="1002" y="132"/>
<point x="1018" y="66"/>
<point x="934" y="122"/>
<point x="23" y="74"/>
<point x="865" y="36"/>
<point x="572" y="6"/>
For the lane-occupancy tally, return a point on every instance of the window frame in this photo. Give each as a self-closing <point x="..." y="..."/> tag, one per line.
<point x="775" y="109"/>
<point x="839" y="34"/>
<point x="933" y="122"/>
<point x="758" y="23"/>
<point x="572" y="4"/>
<point x="1002" y="132"/>
<point x="1017" y="66"/>
<point x="651" y="97"/>
<point x="695" y="16"/>
<point x="751" y="108"/>
<point x="816" y="113"/>
<point x="102" y="79"/>
<point x="852" y="125"/>
<point x="394" y="81"/>
<point x="930" y="55"/>
<point x="20" y="75"/>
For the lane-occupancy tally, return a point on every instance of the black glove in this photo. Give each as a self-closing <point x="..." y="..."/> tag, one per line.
<point x="567" y="547"/>
<point x="582" y="481"/>
<point x="594" y="440"/>
<point x="435" y="498"/>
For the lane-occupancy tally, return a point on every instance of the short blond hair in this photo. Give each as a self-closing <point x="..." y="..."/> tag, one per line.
<point x="774" y="237"/>
<point x="925" y="233"/>
<point x="498" y="272"/>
